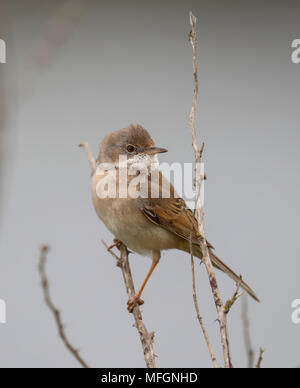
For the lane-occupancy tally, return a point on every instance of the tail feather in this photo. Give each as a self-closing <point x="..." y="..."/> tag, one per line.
<point x="223" y="267"/>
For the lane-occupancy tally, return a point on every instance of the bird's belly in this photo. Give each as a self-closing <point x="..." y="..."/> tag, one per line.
<point x="128" y="224"/>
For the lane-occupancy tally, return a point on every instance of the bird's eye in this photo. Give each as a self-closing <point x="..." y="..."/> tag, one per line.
<point x="130" y="148"/>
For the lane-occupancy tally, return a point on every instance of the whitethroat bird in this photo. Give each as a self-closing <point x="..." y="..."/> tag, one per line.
<point x="146" y="224"/>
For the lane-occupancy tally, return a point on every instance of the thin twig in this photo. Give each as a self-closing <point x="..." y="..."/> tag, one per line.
<point x="199" y="213"/>
<point x="90" y="156"/>
<point x="195" y="299"/>
<point x="55" y="33"/>
<point x="246" y="330"/>
<point x="200" y="319"/>
<point x="235" y="297"/>
<point x="57" y="316"/>
<point x="145" y="337"/>
<point x="260" y="359"/>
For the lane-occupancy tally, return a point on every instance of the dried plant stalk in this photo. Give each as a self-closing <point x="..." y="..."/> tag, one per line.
<point x="222" y="319"/>
<point x="56" y="313"/>
<point x="145" y="337"/>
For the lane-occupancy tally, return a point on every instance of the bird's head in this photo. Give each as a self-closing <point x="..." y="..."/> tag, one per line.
<point x="133" y="143"/>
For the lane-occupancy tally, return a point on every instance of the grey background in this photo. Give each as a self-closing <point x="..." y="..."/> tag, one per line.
<point x="130" y="62"/>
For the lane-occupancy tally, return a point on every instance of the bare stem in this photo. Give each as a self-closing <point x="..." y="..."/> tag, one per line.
<point x="56" y="313"/>
<point x="200" y="319"/>
<point x="90" y="156"/>
<point x="246" y="329"/>
<point x="145" y="337"/>
<point x="260" y="359"/>
<point x="235" y="297"/>
<point x="222" y="318"/>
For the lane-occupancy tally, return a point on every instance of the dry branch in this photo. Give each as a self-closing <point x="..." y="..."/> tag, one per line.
<point x="235" y="297"/>
<point x="55" y="33"/>
<point x="260" y="359"/>
<point x="222" y="319"/>
<point x="200" y="319"/>
<point x="246" y="330"/>
<point x="145" y="337"/>
<point x="53" y="308"/>
<point x="89" y="154"/>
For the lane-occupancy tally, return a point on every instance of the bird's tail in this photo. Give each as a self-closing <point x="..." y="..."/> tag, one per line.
<point x="223" y="267"/>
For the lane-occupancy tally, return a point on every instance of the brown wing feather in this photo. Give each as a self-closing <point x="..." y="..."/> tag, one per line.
<point x="172" y="214"/>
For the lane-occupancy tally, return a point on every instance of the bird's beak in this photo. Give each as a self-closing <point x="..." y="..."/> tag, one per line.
<point x="154" y="150"/>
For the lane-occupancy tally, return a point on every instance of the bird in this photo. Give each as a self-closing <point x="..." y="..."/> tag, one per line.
<point x="145" y="224"/>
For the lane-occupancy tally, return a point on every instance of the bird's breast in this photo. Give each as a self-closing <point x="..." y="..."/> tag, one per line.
<point x="125" y="220"/>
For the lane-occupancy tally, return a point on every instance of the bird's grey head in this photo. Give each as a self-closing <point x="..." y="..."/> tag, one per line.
<point x="133" y="142"/>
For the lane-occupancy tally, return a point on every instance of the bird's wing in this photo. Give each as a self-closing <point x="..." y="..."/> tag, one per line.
<point x="172" y="214"/>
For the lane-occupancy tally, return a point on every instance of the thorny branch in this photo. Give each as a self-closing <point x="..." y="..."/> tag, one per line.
<point x="56" y="313"/>
<point x="145" y="337"/>
<point x="222" y="317"/>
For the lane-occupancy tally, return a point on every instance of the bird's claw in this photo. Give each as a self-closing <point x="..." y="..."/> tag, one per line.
<point x="132" y="302"/>
<point x="117" y="243"/>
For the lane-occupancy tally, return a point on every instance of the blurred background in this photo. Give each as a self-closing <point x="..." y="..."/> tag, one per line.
<point x="77" y="70"/>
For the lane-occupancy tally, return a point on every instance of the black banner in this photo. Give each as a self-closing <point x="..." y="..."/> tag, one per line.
<point x="94" y="377"/>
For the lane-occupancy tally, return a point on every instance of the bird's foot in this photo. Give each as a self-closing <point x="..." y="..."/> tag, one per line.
<point x="117" y="243"/>
<point x="132" y="302"/>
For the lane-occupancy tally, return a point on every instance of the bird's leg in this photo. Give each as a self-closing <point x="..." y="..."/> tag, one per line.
<point x="117" y="243"/>
<point x="136" y="300"/>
